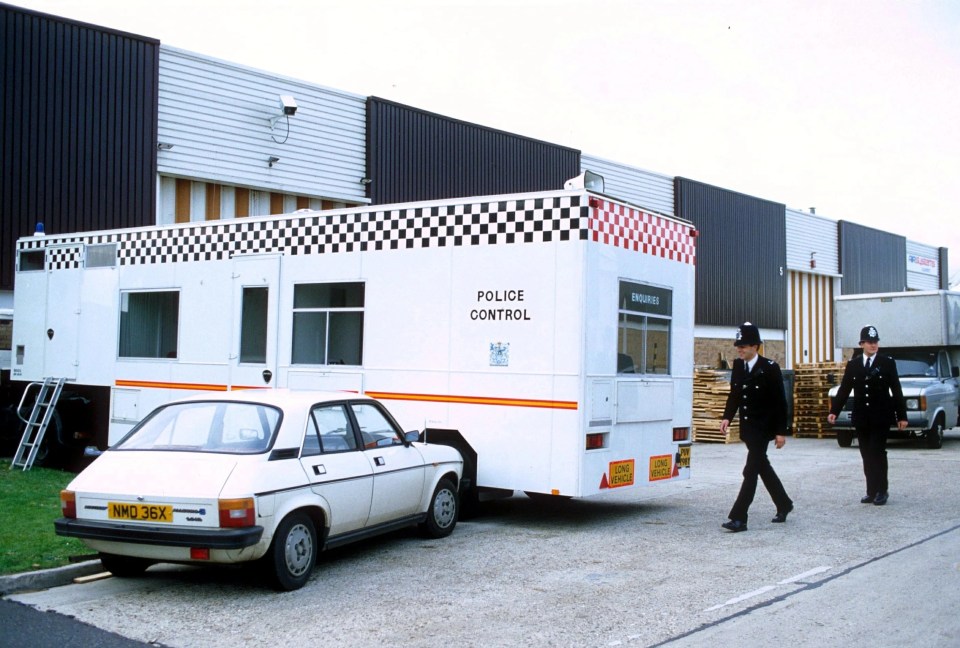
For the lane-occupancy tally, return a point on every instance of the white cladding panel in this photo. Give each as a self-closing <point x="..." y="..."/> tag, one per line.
<point x="812" y="237"/>
<point x="923" y="266"/>
<point x="217" y="116"/>
<point x="644" y="188"/>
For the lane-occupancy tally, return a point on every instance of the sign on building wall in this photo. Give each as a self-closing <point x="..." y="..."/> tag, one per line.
<point x="922" y="264"/>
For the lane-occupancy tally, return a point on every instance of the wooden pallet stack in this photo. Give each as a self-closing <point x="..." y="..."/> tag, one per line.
<point x="710" y="389"/>
<point x="811" y="398"/>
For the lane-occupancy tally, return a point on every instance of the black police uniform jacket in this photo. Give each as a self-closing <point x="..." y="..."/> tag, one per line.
<point x="877" y="395"/>
<point x="759" y="398"/>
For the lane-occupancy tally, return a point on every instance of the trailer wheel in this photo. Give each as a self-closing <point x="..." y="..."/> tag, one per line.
<point x="442" y="512"/>
<point x="292" y="554"/>
<point x="124" y="566"/>
<point x="844" y="438"/>
<point x="934" y="435"/>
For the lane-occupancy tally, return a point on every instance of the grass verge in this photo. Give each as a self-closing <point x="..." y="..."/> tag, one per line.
<point x="29" y="503"/>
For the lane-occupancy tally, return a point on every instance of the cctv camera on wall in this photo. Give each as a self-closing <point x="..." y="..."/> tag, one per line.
<point x="288" y="105"/>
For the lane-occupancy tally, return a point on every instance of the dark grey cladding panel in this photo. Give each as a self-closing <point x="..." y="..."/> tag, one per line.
<point x="78" y="105"/>
<point x="741" y="255"/>
<point x="417" y="155"/>
<point x="871" y="260"/>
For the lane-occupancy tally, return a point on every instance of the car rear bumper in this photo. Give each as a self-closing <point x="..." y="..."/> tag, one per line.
<point x="157" y="535"/>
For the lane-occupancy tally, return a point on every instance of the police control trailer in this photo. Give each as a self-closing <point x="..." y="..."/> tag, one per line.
<point x="548" y="336"/>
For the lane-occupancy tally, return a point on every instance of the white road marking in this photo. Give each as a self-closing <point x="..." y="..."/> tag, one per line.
<point x="767" y="588"/>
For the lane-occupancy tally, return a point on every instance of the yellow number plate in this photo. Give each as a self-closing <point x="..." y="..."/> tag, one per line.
<point x="684" y="457"/>
<point x="140" y="512"/>
<point x="661" y="467"/>
<point x="621" y="473"/>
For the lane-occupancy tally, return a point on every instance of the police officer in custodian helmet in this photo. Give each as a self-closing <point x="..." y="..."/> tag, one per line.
<point x="877" y="405"/>
<point x="756" y="392"/>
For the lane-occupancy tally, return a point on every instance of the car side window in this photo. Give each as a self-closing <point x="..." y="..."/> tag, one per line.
<point x="331" y="427"/>
<point x="376" y="429"/>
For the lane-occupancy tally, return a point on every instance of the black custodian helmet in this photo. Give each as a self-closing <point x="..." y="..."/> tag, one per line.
<point x="748" y="335"/>
<point x="869" y="334"/>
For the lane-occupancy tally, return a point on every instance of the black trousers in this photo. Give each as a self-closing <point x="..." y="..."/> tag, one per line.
<point x="872" y="440"/>
<point x="758" y="466"/>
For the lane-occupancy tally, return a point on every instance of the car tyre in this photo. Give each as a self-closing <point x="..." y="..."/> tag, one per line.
<point x="124" y="566"/>
<point x="293" y="552"/>
<point x="844" y="438"/>
<point x="442" y="512"/>
<point x="934" y="435"/>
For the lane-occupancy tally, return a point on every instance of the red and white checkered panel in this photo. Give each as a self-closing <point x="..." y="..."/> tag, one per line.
<point x="633" y="229"/>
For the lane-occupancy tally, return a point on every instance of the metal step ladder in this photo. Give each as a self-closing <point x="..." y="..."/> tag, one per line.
<point x="40" y="417"/>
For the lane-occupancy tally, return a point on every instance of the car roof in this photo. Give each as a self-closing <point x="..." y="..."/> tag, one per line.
<point x="278" y="397"/>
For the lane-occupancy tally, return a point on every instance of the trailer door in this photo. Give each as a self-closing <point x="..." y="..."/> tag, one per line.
<point x="253" y="353"/>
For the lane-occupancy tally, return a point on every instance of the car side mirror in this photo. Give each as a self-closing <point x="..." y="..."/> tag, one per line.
<point x="411" y="436"/>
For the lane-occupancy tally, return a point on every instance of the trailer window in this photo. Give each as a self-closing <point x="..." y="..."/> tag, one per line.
<point x="149" y="324"/>
<point x="328" y="323"/>
<point x="643" y="331"/>
<point x="253" y="325"/>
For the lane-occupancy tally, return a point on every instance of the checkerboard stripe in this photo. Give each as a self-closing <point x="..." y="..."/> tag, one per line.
<point x="534" y="220"/>
<point x="626" y="227"/>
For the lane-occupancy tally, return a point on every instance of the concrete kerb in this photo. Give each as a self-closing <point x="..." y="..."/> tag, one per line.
<point x="47" y="578"/>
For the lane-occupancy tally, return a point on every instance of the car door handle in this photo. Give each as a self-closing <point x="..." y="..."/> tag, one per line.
<point x="319" y="469"/>
<point x="379" y="461"/>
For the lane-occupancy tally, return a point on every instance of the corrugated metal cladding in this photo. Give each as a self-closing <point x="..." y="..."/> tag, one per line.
<point x="79" y="128"/>
<point x="812" y="243"/>
<point x="871" y="260"/>
<point x="217" y="115"/>
<point x="810" y="333"/>
<point x="646" y="189"/>
<point x="923" y="266"/>
<point x="741" y="255"/>
<point x="416" y="155"/>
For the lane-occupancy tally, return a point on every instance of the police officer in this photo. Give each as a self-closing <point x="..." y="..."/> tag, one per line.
<point x="877" y="405"/>
<point x="756" y="392"/>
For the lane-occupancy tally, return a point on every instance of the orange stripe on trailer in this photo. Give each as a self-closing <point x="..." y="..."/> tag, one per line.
<point x="475" y="400"/>
<point x="150" y="384"/>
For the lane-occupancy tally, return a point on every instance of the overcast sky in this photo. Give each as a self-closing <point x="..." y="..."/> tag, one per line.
<point x="848" y="107"/>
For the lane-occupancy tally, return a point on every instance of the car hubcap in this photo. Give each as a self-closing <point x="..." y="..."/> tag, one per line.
<point x="299" y="550"/>
<point x="444" y="508"/>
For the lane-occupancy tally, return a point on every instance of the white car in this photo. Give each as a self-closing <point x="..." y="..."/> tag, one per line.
<point x="272" y="476"/>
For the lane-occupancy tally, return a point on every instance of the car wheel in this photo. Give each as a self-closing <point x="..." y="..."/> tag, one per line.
<point x="293" y="552"/>
<point x="124" y="566"/>
<point x="934" y="435"/>
<point x="844" y="438"/>
<point x="442" y="512"/>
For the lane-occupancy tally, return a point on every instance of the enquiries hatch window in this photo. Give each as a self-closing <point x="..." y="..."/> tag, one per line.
<point x="328" y="323"/>
<point x="643" y="331"/>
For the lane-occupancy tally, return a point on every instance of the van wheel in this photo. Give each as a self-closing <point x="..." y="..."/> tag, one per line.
<point x="442" y="512"/>
<point x="934" y="435"/>
<point x="124" y="566"/>
<point x="844" y="438"/>
<point x="292" y="554"/>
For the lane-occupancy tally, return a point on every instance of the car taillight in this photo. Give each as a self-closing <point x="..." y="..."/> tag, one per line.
<point x="681" y="434"/>
<point x="68" y="504"/>
<point x="595" y="441"/>
<point x="236" y="512"/>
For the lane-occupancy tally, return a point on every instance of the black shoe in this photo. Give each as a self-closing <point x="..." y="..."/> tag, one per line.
<point x="868" y="499"/>
<point x="881" y="499"/>
<point x="781" y="516"/>
<point x="735" y="525"/>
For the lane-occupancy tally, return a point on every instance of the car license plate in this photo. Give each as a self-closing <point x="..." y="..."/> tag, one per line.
<point x="140" y="512"/>
<point x="684" y="457"/>
<point x="661" y="467"/>
<point x="621" y="473"/>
